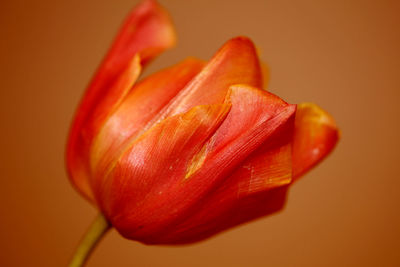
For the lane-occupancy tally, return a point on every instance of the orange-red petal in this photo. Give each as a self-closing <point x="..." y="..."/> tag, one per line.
<point x="142" y="181"/>
<point x="256" y="188"/>
<point x="314" y="138"/>
<point x="158" y="203"/>
<point x="253" y="120"/>
<point x="251" y="108"/>
<point x="147" y="31"/>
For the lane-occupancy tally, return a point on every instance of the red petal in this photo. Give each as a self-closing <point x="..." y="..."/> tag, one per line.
<point x="236" y="62"/>
<point x="258" y="186"/>
<point x="315" y="136"/>
<point x="151" y="217"/>
<point x="145" y="100"/>
<point x="146" y="32"/>
<point x="251" y="108"/>
<point x="268" y="167"/>
<point x="254" y="118"/>
<point x="152" y="170"/>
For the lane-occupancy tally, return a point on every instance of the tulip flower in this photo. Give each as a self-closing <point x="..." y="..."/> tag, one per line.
<point x="192" y="150"/>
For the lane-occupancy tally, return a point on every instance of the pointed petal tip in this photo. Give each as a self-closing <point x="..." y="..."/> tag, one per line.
<point x="235" y="62"/>
<point x="243" y="42"/>
<point x="240" y="42"/>
<point x="161" y="32"/>
<point x="243" y="88"/>
<point x="241" y="38"/>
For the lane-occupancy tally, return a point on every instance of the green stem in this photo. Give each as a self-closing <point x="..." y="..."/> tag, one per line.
<point x="96" y="231"/>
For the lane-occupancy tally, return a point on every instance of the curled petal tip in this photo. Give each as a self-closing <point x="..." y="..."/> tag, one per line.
<point x="315" y="136"/>
<point x="148" y="29"/>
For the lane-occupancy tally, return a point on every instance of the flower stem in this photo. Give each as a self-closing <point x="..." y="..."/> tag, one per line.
<point x="96" y="231"/>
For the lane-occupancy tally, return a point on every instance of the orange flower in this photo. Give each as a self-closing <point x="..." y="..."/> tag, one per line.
<point x="193" y="149"/>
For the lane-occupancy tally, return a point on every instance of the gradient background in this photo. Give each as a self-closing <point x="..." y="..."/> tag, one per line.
<point x="343" y="55"/>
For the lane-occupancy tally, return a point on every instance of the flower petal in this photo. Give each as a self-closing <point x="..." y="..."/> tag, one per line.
<point x="150" y="173"/>
<point x="251" y="109"/>
<point x="146" y="32"/>
<point x="253" y="120"/>
<point x="236" y="62"/>
<point x="268" y="167"/>
<point x="144" y="102"/>
<point x="315" y="136"/>
<point x="156" y="213"/>
<point x="256" y="188"/>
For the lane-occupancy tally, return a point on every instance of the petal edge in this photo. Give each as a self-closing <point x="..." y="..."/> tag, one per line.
<point x="315" y="136"/>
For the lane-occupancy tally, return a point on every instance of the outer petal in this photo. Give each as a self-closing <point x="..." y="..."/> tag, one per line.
<point x="236" y="62"/>
<point x="152" y="217"/>
<point x="259" y="186"/>
<point x="252" y="109"/>
<point x="144" y="102"/>
<point x="315" y="136"/>
<point x="146" y="32"/>
<point x="256" y="188"/>
<point x="148" y="172"/>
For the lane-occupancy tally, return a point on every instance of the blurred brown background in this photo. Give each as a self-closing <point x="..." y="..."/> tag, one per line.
<point x="343" y="55"/>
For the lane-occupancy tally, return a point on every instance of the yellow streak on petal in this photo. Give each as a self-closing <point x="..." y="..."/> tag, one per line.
<point x="197" y="162"/>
